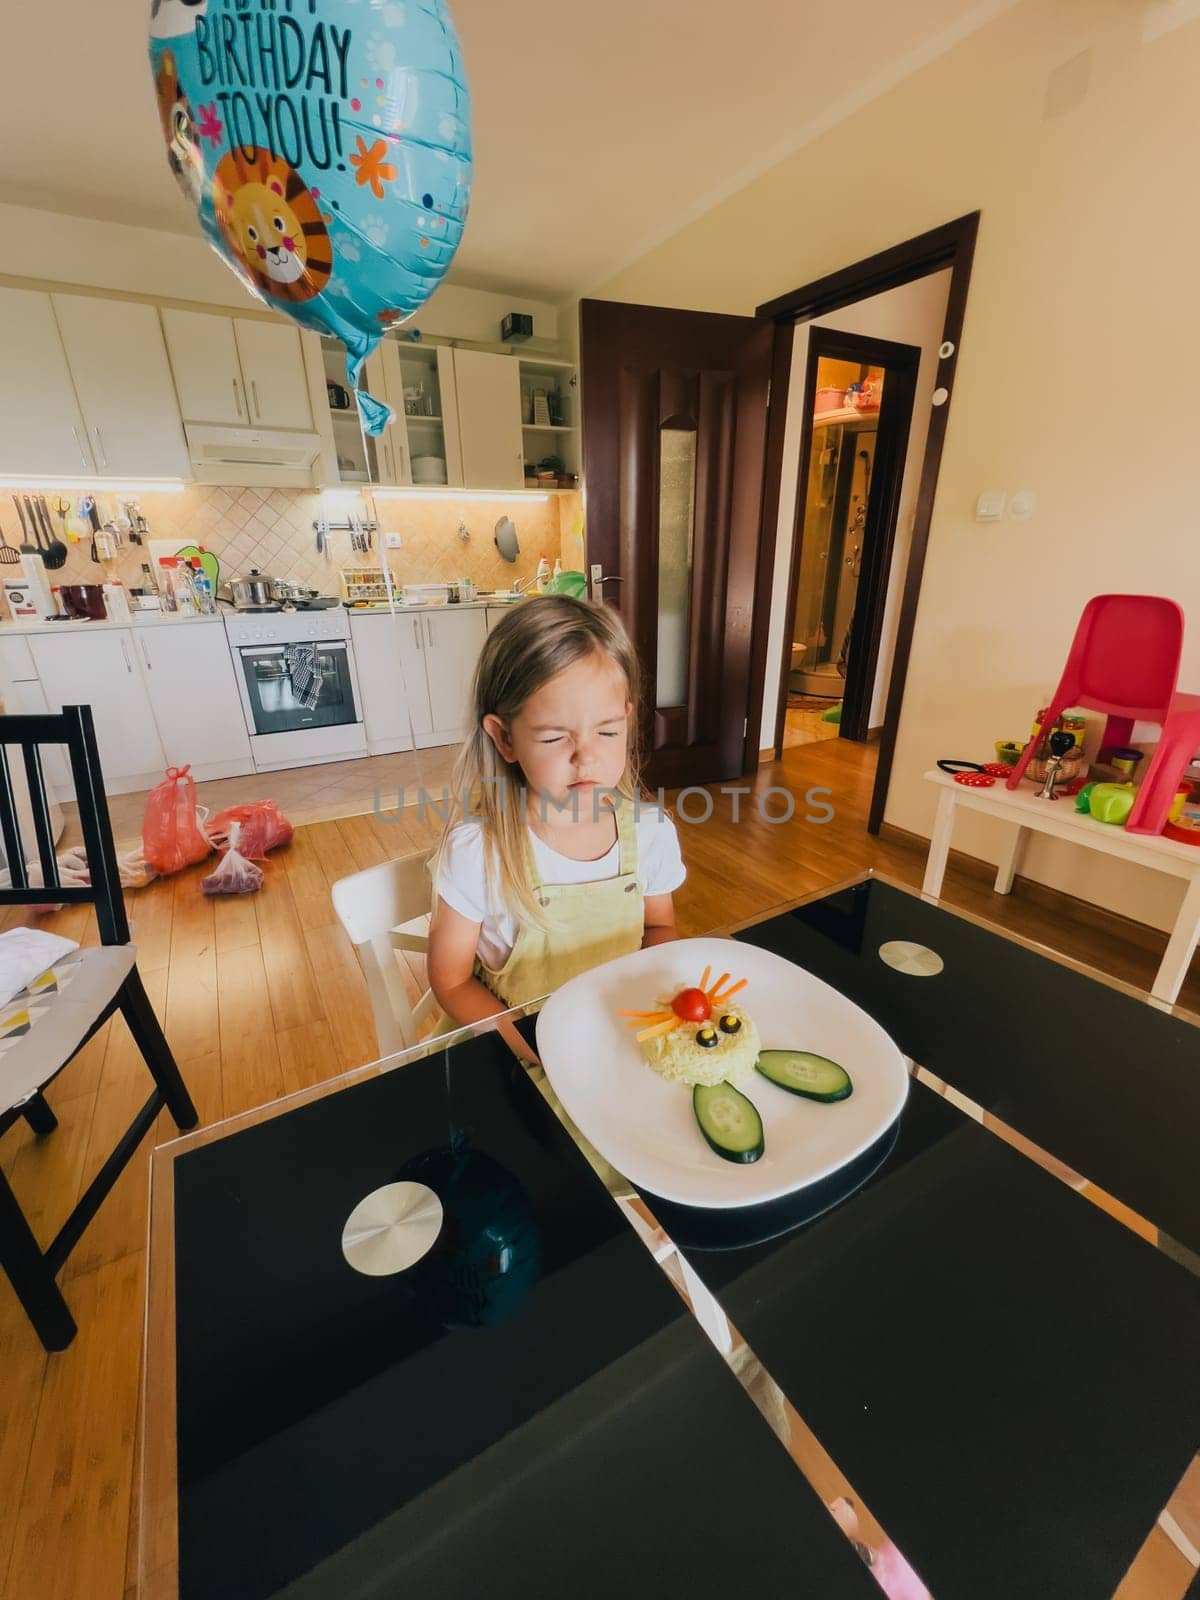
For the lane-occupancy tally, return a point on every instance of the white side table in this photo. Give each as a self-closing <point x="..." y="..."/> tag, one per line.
<point x="1059" y="818"/>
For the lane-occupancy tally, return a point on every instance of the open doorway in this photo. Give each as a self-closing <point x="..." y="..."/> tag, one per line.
<point x="852" y="445"/>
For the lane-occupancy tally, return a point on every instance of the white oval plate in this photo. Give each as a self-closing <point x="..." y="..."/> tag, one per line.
<point x="644" y="1125"/>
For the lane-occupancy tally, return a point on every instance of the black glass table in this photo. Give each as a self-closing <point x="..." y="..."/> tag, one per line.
<point x="966" y="1366"/>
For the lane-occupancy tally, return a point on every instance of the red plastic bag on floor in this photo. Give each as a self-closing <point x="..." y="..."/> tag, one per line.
<point x="235" y="875"/>
<point x="172" y="837"/>
<point x="263" y="828"/>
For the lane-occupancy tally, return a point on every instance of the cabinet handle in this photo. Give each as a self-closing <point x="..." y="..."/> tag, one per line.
<point x="254" y="397"/>
<point x="237" y="397"/>
<point x="146" y="656"/>
<point x="417" y="632"/>
<point x="100" y="446"/>
<point x="429" y="631"/>
<point x="79" y="447"/>
<point x="125" y="653"/>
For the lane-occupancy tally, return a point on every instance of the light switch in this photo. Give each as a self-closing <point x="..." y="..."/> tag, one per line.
<point x="1022" y="506"/>
<point x="391" y="541"/>
<point x="990" y="505"/>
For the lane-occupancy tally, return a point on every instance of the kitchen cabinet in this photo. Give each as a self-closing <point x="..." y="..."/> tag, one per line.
<point x="417" y="664"/>
<point x="389" y="660"/>
<point x="189" y="673"/>
<point x="273" y="367"/>
<point x="98" y="668"/>
<point x="489" y="420"/>
<point x="41" y="429"/>
<point x="237" y="370"/>
<point x="118" y="361"/>
<point x="452" y="642"/>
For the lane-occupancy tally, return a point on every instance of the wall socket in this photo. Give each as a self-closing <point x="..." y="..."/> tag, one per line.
<point x="391" y="541"/>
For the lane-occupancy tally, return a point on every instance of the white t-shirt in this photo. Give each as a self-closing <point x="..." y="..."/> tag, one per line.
<point x="464" y="886"/>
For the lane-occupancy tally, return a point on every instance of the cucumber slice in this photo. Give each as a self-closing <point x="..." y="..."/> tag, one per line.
<point x="728" y="1121"/>
<point x="801" y="1072"/>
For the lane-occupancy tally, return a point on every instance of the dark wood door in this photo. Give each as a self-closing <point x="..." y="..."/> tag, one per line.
<point x="674" y="429"/>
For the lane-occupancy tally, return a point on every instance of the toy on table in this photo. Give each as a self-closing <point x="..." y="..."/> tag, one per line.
<point x="1062" y="743"/>
<point x="1008" y="752"/>
<point x="971" y="774"/>
<point x="1111" y="802"/>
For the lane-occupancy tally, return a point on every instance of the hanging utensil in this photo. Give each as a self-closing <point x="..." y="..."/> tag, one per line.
<point x="87" y="508"/>
<point x="10" y="556"/>
<point x="27" y="549"/>
<point x="56" y="550"/>
<point x="32" y="515"/>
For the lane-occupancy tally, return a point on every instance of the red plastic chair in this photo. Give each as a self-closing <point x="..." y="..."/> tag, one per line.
<point x="1124" y="660"/>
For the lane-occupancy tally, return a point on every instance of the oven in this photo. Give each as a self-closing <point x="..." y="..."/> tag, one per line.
<point x="270" y="673"/>
<point x="296" y="677"/>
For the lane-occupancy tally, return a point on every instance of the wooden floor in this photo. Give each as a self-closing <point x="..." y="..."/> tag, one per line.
<point x="263" y="995"/>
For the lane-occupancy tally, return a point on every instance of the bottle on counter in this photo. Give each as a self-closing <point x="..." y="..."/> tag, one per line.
<point x="206" y="600"/>
<point x="166" y="586"/>
<point x="557" y="573"/>
<point x="542" y="577"/>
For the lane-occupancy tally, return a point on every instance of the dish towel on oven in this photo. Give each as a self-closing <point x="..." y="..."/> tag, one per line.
<point x="301" y="661"/>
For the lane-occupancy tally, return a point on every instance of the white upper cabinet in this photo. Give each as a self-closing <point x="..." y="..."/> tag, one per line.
<point x="41" y="430"/>
<point x="118" y="361"/>
<point x="273" y="368"/>
<point x="204" y="359"/>
<point x="237" y="370"/>
<point x="489" y="419"/>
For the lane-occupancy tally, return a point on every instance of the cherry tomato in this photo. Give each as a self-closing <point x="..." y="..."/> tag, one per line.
<point x="692" y="1005"/>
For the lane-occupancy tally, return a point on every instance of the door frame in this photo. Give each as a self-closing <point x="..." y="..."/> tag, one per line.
<point x="901" y="362"/>
<point x="951" y="245"/>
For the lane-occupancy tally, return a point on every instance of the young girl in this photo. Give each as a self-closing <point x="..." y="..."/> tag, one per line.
<point x="545" y="871"/>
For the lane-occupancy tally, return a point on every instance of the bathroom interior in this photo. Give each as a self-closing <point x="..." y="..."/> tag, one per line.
<point x="845" y="426"/>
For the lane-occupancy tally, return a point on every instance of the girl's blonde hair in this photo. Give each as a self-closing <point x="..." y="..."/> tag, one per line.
<point x="532" y="643"/>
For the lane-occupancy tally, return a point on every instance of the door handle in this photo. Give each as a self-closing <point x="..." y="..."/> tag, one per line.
<point x="146" y="656"/>
<point x="417" y="632"/>
<point x="429" y="631"/>
<point x="237" y="397"/>
<point x="79" y="447"/>
<point x="100" y="446"/>
<point x="125" y="653"/>
<point x="254" y="397"/>
<point x="599" y="577"/>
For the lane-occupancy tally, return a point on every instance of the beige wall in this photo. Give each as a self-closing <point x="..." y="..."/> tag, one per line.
<point x="1076" y="375"/>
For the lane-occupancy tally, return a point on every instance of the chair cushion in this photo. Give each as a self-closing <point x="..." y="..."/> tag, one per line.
<point x="41" y="1028"/>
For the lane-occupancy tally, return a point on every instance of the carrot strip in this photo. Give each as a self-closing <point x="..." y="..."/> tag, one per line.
<point x="721" y="999"/>
<point x="659" y="1027"/>
<point x="717" y="985"/>
<point x="703" y="984"/>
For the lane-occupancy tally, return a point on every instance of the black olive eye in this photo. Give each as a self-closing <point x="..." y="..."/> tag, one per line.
<point x="706" y="1038"/>
<point x="731" y="1023"/>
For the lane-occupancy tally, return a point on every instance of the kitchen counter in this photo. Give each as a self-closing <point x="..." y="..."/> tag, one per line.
<point x="437" y="605"/>
<point x="141" y="619"/>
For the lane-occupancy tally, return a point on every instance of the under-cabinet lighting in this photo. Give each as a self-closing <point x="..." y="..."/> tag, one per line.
<point x="418" y="493"/>
<point x="100" y="485"/>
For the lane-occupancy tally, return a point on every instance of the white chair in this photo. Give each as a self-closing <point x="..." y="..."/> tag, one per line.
<point x="383" y="910"/>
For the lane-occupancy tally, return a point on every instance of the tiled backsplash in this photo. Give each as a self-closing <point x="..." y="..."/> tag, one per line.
<point x="272" y="529"/>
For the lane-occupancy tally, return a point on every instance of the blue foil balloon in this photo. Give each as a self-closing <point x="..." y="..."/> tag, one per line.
<point x="326" y="146"/>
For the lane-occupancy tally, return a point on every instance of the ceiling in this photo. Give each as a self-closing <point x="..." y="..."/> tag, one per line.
<point x="599" y="128"/>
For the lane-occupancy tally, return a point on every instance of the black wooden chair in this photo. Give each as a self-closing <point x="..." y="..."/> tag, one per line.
<point x="59" y="1016"/>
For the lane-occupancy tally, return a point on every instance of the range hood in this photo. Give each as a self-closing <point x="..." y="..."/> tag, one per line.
<point x="283" y="459"/>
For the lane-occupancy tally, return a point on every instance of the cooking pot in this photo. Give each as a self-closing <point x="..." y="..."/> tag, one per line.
<point x="293" y="593"/>
<point x="253" y="588"/>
